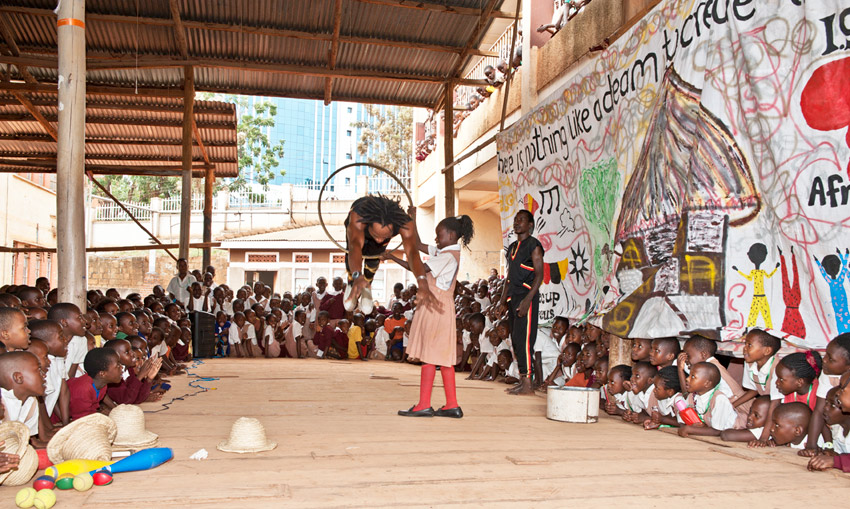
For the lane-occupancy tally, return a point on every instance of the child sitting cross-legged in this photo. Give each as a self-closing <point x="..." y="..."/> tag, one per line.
<point x="756" y="421"/>
<point x="21" y="382"/>
<point x="661" y="406"/>
<point x="712" y="406"/>
<point x="88" y="392"/>
<point x="615" y="391"/>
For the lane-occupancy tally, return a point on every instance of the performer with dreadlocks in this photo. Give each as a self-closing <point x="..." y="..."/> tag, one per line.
<point x="371" y="223"/>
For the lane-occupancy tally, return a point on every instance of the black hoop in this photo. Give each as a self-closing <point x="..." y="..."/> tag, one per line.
<point x="322" y="191"/>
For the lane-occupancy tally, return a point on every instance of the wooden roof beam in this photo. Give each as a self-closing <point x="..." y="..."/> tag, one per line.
<point x="112" y="141"/>
<point x="49" y="156"/>
<point x="200" y="142"/>
<point x="154" y="122"/>
<point x="435" y="7"/>
<point x="179" y="31"/>
<point x="249" y="29"/>
<point x="334" y="49"/>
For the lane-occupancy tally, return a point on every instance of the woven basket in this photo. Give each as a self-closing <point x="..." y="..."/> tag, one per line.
<point x="17" y="437"/>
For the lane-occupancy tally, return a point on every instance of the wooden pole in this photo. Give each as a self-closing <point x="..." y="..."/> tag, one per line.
<point x="70" y="178"/>
<point x="209" y="181"/>
<point x="186" y="189"/>
<point x="449" y="151"/>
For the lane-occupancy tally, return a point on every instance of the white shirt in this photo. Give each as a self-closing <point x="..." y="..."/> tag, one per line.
<point x="296" y="329"/>
<point x="484" y="344"/>
<point x="233" y="335"/>
<point x="180" y="287"/>
<point x="546" y="344"/>
<point x="25" y="412"/>
<point x="78" y="347"/>
<point x="381" y="338"/>
<point x="268" y="333"/>
<point x="512" y="371"/>
<point x="802" y="444"/>
<point x="640" y="401"/>
<point x="55" y="374"/>
<point x="764" y="376"/>
<point x="250" y="333"/>
<point x="485" y="302"/>
<point x="667" y="406"/>
<point x="466" y="339"/>
<point x="840" y="439"/>
<point x="443" y="265"/>
<point x="620" y="400"/>
<point x="198" y="303"/>
<point x="825" y="383"/>
<point x="722" y="415"/>
<point x="227" y="307"/>
<point x="161" y="349"/>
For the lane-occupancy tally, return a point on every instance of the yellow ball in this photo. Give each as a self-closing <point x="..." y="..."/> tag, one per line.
<point x="44" y="499"/>
<point x="83" y="482"/>
<point x="25" y="497"/>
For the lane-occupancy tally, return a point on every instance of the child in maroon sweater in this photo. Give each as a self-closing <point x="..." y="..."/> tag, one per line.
<point x="132" y="389"/>
<point x="89" y="391"/>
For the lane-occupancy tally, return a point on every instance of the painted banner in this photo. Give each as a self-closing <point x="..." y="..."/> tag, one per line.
<point x="695" y="176"/>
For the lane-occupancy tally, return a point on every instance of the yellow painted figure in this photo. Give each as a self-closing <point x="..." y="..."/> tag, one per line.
<point x="759" y="305"/>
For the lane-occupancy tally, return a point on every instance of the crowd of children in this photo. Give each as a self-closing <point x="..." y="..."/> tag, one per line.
<point x="59" y="363"/>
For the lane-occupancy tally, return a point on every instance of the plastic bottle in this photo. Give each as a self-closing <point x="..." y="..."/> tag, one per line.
<point x="688" y="414"/>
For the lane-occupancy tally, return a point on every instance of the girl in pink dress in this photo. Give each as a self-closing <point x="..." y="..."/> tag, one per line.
<point x="433" y="333"/>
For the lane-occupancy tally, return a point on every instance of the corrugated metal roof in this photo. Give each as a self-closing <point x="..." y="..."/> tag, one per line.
<point x="139" y="134"/>
<point x="227" y="42"/>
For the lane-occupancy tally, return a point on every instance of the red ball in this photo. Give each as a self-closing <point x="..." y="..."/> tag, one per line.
<point x="44" y="482"/>
<point x="102" y="478"/>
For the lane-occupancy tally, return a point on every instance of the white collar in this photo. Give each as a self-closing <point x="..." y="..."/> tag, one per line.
<point x="453" y="247"/>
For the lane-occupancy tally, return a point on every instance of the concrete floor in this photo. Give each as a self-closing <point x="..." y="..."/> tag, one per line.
<point x="341" y="444"/>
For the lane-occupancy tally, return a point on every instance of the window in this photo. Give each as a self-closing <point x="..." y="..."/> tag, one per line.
<point x="348" y="181"/>
<point x="302" y="279"/>
<point x="338" y="258"/>
<point x="348" y="132"/>
<point x="350" y="110"/>
<point x="348" y="155"/>
<point x="261" y="258"/>
<point x="301" y="258"/>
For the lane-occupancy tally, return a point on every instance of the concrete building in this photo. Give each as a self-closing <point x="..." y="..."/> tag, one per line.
<point x="27" y="219"/>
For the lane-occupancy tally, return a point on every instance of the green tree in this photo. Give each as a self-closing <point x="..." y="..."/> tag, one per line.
<point x="388" y="132"/>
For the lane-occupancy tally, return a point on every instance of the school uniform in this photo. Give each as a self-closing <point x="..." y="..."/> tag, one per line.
<point x="130" y="391"/>
<point x="433" y="336"/>
<point x="381" y="338"/>
<point x="273" y="349"/>
<point x="85" y="398"/>
<point x="825" y="383"/>
<point x="840" y="439"/>
<point x="485" y="302"/>
<point x="355" y="335"/>
<point x="21" y="411"/>
<point x="513" y="370"/>
<point x="714" y="408"/>
<point x="762" y="380"/>
<point x="78" y="347"/>
<point x="180" y="287"/>
<point x="198" y="303"/>
<point x="234" y="335"/>
<point x="639" y="402"/>
<point x="56" y="374"/>
<point x="666" y="407"/>
<point x="549" y="350"/>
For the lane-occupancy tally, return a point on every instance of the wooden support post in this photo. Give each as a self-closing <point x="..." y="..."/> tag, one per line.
<point x="70" y="159"/>
<point x="209" y="181"/>
<point x="619" y="351"/>
<point x="186" y="188"/>
<point x="449" y="152"/>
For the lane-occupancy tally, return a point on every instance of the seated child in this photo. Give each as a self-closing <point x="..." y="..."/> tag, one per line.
<point x="640" y="388"/>
<point x="14" y="332"/>
<point x="127" y="325"/>
<point x="615" y="391"/>
<point x="250" y="342"/>
<point x="338" y="349"/>
<point x="839" y="461"/>
<point x="790" y="425"/>
<point x="509" y="366"/>
<point x="45" y="426"/>
<point x="180" y="350"/>
<point x="663" y="352"/>
<point x="699" y="349"/>
<point x="382" y="337"/>
<point x="89" y="391"/>
<point x="198" y="297"/>
<point x="370" y="329"/>
<point x="271" y="345"/>
<point x="475" y="328"/>
<point x="21" y="382"/>
<point x="838" y="422"/>
<point x="56" y="397"/>
<point x="759" y="378"/>
<point x="355" y="338"/>
<point x="712" y="406"/>
<point x="661" y="405"/>
<point x="585" y="377"/>
<point x="71" y="319"/>
<point x="548" y="348"/>
<point x="756" y="421"/>
<point x="566" y="367"/>
<point x="641" y="348"/>
<point x="222" y="330"/>
<point x="836" y="361"/>
<point x="323" y="337"/>
<point x="234" y="335"/>
<point x="134" y="388"/>
<point x="296" y="344"/>
<point x="797" y="378"/>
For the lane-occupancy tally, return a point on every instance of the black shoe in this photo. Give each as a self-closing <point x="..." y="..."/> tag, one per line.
<point x="425" y="412"/>
<point x="454" y="413"/>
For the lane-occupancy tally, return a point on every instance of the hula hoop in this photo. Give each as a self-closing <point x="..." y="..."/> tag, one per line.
<point x="322" y="191"/>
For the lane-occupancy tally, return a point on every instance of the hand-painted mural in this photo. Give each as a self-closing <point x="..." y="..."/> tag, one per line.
<point x="695" y="175"/>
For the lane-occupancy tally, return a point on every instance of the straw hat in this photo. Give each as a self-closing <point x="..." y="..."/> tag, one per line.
<point x="247" y="435"/>
<point x="17" y="438"/>
<point x="132" y="434"/>
<point x="87" y="438"/>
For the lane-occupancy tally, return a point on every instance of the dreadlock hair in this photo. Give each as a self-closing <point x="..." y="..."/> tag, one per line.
<point x="377" y="208"/>
<point x="462" y="226"/>
<point x="669" y="377"/>
<point x="842" y="341"/>
<point x="807" y="366"/>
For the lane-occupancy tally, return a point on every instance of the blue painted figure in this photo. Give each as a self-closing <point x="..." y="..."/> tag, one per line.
<point x="834" y="270"/>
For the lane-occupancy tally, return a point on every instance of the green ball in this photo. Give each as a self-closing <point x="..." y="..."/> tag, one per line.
<point x="65" y="482"/>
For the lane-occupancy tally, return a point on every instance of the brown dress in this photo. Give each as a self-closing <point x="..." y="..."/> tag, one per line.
<point x="433" y="335"/>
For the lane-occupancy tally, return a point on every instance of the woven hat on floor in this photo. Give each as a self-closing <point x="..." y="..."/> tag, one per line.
<point x="17" y="438"/>
<point x="132" y="434"/>
<point x="87" y="438"/>
<point x="247" y="435"/>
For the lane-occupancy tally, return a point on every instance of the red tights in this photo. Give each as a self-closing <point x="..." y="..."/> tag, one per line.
<point x="426" y="384"/>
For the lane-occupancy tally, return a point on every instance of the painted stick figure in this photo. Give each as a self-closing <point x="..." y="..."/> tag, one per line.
<point x="834" y="271"/>
<point x="759" y="306"/>
<point x="793" y="321"/>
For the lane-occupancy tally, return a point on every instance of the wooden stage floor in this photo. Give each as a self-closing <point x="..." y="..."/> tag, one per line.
<point x="341" y="444"/>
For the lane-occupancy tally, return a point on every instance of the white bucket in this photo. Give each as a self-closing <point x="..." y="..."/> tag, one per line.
<point x="572" y="404"/>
